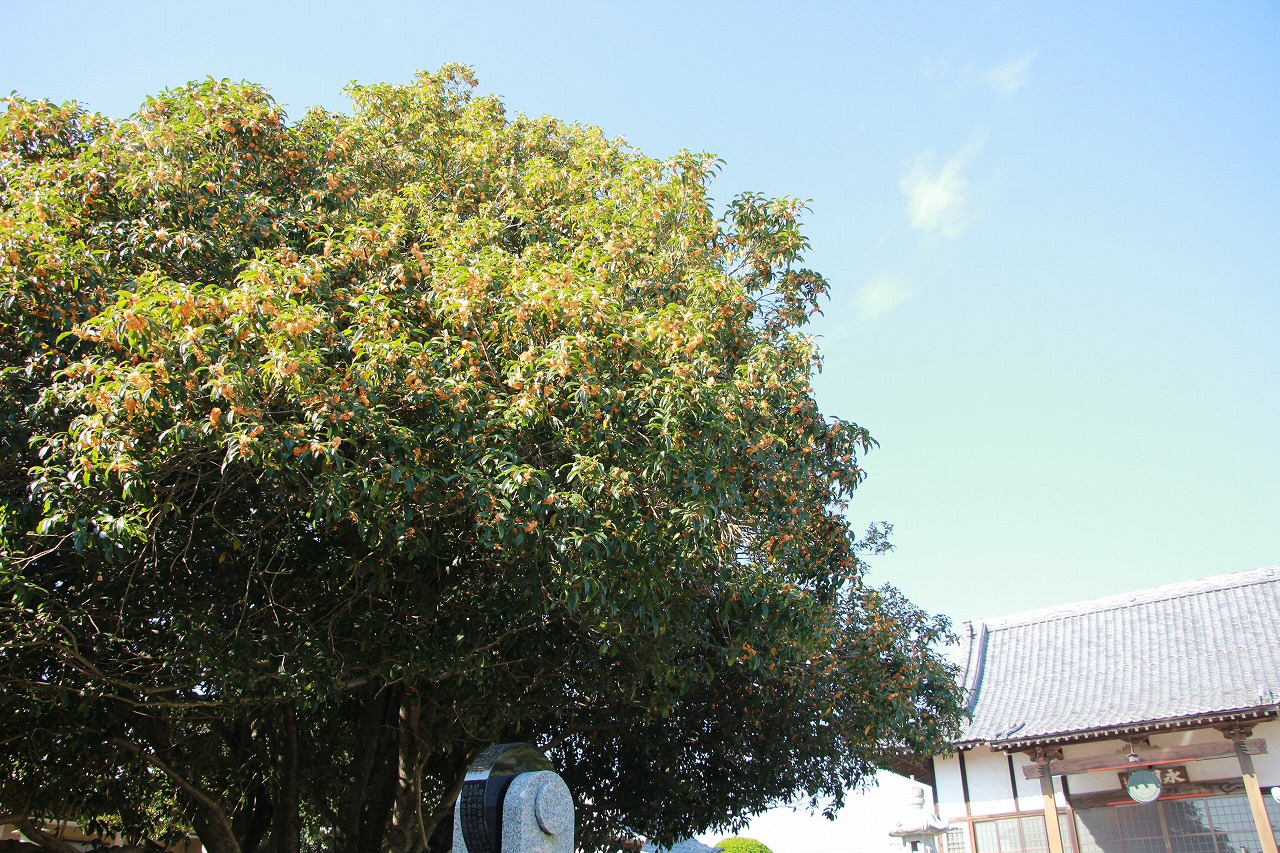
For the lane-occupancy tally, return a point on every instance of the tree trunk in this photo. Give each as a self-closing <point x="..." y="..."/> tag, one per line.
<point x="254" y="818"/>
<point x="286" y="830"/>
<point x="384" y="778"/>
<point x="354" y="825"/>
<point x="214" y="830"/>
<point x="406" y="833"/>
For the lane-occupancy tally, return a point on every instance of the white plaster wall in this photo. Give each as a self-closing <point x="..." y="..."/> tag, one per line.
<point x="946" y="773"/>
<point x="1092" y="783"/>
<point x="1201" y="771"/>
<point x="1029" y="796"/>
<point x="1185" y="738"/>
<point x="989" y="789"/>
<point x="1268" y="766"/>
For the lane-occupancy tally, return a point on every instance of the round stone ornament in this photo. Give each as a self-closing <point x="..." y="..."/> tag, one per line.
<point x="554" y="806"/>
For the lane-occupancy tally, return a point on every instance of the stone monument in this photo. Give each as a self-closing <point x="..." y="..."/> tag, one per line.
<point x="512" y="801"/>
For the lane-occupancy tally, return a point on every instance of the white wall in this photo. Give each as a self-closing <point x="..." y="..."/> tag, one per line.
<point x="1092" y="783"/>
<point x="990" y="791"/>
<point x="1268" y="766"/>
<point x="1201" y="771"/>
<point x="1029" y="797"/>
<point x="946" y="772"/>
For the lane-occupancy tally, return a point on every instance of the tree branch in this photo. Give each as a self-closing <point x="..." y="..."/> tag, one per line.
<point x="216" y="816"/>
<point x="44" y="840"/>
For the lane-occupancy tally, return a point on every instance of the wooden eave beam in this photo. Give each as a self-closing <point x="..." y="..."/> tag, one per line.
<point x="1145" y="758"/>
<point x="920" y="769"/>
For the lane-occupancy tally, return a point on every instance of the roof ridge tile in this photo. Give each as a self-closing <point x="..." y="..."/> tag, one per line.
<point x="1168" y="592"/>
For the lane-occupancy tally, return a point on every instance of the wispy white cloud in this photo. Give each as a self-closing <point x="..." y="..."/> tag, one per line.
<point x="1012" y="75"/>
<point x="938" y="197"/>
<point x="956" y="77"/>
<point x="880" y="296"/>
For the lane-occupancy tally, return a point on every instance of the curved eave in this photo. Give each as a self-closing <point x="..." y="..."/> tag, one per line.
<point x="1261" y="712"/>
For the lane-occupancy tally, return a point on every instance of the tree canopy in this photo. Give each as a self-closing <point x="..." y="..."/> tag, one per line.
<point x="332" y="451"/>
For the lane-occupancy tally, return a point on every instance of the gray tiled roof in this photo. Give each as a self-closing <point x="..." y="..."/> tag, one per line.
<point x="1189" y="651"/>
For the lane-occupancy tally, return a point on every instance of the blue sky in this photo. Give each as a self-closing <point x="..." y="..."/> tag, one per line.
<point x="1051" y="232"/>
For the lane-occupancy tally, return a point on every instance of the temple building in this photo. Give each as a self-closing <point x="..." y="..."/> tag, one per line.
<point x="1141" y="722"/>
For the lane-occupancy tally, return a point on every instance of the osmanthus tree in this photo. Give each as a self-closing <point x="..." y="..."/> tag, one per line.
<point x="332" y="451"/>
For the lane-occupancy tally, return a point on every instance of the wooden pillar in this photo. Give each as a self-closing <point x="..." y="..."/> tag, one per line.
<point x="1051" y="826"/>
<point x="1256" y="804"/>
<point x="1052" y="829"/>
<point x="1239" y="734"/>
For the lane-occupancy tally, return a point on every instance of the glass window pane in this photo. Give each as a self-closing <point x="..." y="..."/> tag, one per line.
<point x="1183" y="825"/>
<point x="1139" y="821"/>
<point x="1144" y="845"/>
<point x="1273" y="811"/>
<point x="1230" y="813"/>
<point x="1033" y="833"/>
<point x="1194" y="844"/>
<point x="1232" y="821"/>
<point x="1009" y="840"/>
<point x="988" y="841"/>
<point x="1227" y="808"/>
<point x="1186" y="817"/>
<point x="1097" y="825"/>
<point x="1091" y="847"/>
